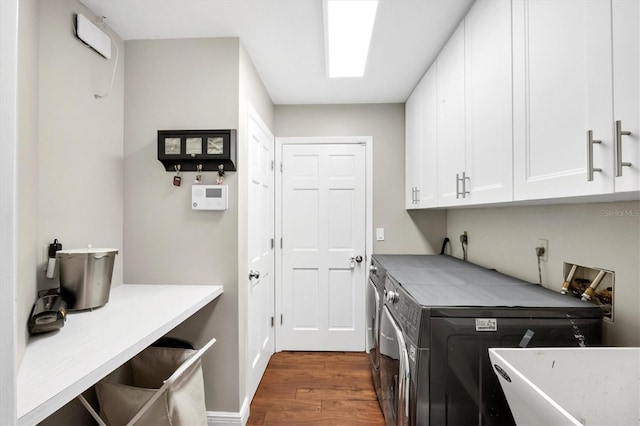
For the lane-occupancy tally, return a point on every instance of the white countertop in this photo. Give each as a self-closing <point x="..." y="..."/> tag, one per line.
<point x="58" y="366"/>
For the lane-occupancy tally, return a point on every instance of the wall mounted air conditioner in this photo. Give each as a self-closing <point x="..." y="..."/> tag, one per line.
<point x="93" y="36"/>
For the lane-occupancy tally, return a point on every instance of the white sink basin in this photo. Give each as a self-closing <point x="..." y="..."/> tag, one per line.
<point x="570" y="386"/>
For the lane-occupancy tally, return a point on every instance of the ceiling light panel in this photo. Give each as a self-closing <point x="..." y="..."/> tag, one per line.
<point x="348" y="29"/>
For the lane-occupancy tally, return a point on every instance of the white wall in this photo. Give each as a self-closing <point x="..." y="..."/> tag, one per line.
<point x="603" y="235"/>
<point x="404" y="232"/>
<point x="184" y="84"/>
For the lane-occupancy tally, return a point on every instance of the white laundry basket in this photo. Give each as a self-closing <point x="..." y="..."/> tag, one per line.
<point x="159" y="386"/>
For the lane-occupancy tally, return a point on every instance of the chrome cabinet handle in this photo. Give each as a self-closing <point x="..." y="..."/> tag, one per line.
<point x="462" y="179"/>
<point x="415" y="195"/>
<point x="590" y="168"/>
<point x="618" y="148"/>
<point x="465" y="178"/>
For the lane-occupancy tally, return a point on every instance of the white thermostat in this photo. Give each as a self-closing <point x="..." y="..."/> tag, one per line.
<point x="209" y="197"/>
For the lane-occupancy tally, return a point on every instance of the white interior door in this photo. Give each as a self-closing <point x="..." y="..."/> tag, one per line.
<point x="260" y="271"/>
<point x="323" y="247"/>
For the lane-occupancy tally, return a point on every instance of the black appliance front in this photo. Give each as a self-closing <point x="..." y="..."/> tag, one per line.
<point x="373" y="323"/>
<point x="463" y="388"/>
<point x="447" y="341"/>
<point x="394" y="372"/>
<point x="374" y="302"/>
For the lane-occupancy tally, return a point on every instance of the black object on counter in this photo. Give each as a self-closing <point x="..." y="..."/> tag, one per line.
<point x="49" y="312"/>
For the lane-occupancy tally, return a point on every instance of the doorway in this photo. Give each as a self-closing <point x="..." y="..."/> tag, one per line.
<point x="323" y="228"/>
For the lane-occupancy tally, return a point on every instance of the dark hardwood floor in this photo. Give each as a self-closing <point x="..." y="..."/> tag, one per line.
<point x="316" y="388"/>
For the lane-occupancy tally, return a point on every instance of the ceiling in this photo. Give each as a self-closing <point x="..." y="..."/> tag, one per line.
<point x="285" y="40"/>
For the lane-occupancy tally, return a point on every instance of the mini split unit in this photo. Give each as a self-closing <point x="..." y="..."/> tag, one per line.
<point x="93" y="36"/>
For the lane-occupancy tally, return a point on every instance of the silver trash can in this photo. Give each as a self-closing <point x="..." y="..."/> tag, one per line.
<point x="85" y="276"/>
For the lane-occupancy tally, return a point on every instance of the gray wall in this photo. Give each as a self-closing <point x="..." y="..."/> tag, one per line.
<point x="404" y="232"/>
<point x="602" y="235"/>
<point x="184" y="84"/>
<point x="70" y="154"/>
<point x="80" y="138"/>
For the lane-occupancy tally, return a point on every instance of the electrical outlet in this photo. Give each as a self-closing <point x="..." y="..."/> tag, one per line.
<point x="464" y="238"/>
<point x="545" y="245"/>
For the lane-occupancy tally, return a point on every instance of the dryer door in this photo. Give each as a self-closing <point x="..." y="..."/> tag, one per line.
<point x="373" y="324"/>
<point x="373" y="327"/>
<point x="394" y="372"/>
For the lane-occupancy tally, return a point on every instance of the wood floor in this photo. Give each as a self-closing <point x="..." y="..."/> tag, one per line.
<point x="316" y="388"/>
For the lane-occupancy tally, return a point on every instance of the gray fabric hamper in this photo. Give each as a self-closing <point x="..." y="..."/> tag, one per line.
<point x="124" y="392"/>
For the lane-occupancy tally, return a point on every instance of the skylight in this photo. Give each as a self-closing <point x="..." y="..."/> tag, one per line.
<point x="348" y="25"/>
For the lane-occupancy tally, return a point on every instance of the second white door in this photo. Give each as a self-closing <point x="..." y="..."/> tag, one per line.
<point x="323" y="247"/>
<point x="260" y="250"/>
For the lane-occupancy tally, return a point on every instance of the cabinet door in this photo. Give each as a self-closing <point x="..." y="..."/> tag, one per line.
<point x="451" y="128"/>
<point x="412" y="151"/>
<point x="428" y="194"/>
<point x="562" y="88"/>
<point x="626" y="90"/>
<point x="488" y="102"/>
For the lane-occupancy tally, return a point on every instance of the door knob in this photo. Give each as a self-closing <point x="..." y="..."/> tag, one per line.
<point x="254" y="274"/>
<point x="353" y="260"/>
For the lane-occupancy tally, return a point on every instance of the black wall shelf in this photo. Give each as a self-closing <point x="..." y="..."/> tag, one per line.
<point x="189" y="148"/>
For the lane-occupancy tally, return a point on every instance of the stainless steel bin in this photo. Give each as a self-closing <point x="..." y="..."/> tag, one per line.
<point x="85" y="276"/>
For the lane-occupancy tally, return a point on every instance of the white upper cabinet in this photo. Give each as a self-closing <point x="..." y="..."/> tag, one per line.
<point x="488" y="102"/>
<point x="626" y="94"/>
<point x="563" y="102"/>
<point x="450" y="120"/>
<point x="412" y="154"/>
<point x="420" y="144"/>
<point x="428" y="192"/>
<point x="535" y="100"/>
<point x="475" y="109"/>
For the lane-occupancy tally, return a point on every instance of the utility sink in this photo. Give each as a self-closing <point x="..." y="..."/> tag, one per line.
<point x="570" y="386"/>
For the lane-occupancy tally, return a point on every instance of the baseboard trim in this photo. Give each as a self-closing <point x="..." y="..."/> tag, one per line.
<point x="222" y="418"/>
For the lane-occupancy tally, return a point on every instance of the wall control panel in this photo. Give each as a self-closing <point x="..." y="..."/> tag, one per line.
<point x="209" y="197"/>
